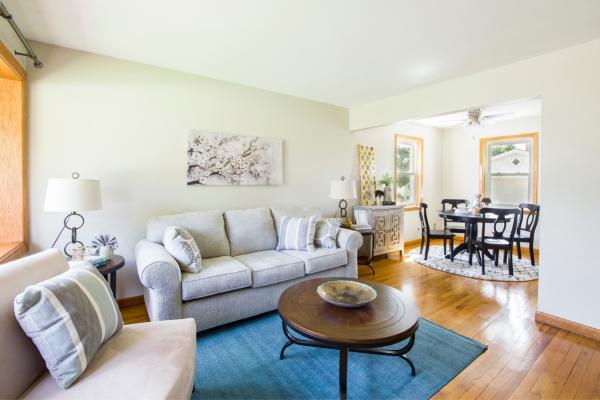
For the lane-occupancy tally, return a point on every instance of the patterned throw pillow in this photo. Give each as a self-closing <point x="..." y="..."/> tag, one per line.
<point x="326" y="231"/>
<point x="297" y="233"/>
<point x="182" y="246"/>
<point x="68" y="317"/>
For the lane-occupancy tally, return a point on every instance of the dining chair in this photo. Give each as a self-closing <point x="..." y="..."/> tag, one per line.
<point x="530" y="224"/>
<point x="498" y="241"/>
<point x="454" y="228"/>
<point x="428" y="234"/>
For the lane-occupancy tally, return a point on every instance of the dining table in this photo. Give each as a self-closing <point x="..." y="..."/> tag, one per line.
<point x="471" y="219"/>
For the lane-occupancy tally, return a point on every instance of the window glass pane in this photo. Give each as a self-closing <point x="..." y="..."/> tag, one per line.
<point x="510" y="189"/>
<point x="405" y="190"/>
<point x="510" y="158"/>
<point x="404" y="157"/>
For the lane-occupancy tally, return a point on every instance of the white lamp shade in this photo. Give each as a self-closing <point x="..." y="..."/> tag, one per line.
<point x="342" y="190"/>
<point x="73" y="195"/>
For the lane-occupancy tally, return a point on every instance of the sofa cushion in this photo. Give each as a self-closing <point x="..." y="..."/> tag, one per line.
<point x="250" y="231"/>
<point x="321" y="259"/>
<point x="280" y="212"/>
<point x="269" y="267"/>
<point x="183" y="248"/>
<point x="155" y="360"/>
<point x="218" y="275"/>
<point x="326" y="231"/>
<point x="206" y="227"/>
<point x="297" y="233"/>
<point x="68" y="317"/>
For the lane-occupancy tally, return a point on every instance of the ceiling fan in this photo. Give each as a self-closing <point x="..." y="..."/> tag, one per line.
<point x="475" y="121"/>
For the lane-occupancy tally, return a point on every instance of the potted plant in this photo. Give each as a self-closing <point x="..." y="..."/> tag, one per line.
<point x="387" y="181"/>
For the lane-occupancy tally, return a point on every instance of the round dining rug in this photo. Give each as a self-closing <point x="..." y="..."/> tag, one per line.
<point x="522" y="269"/>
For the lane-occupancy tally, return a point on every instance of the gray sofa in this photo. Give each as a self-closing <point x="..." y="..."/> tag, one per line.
<point x="242" y="274"/>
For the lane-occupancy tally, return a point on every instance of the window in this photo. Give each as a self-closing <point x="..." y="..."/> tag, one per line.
<point x="409" y="171"/>
<point x="508" y="166"/>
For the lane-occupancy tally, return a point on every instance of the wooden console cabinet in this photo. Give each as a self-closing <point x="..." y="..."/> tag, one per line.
<point x="388" y="224"/>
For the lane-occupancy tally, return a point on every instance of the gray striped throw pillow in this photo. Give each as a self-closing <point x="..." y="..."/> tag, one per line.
<point x="68" y="317"/>
<point x="297" y="233"/>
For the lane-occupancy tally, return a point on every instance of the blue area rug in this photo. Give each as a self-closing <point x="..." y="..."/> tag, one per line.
<point x="241" y="361"/>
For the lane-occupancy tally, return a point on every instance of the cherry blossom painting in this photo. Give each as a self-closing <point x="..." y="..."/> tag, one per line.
<point x="222" y="159"/>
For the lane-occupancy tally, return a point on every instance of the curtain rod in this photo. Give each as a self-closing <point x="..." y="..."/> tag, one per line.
<point x="7" y="16"/>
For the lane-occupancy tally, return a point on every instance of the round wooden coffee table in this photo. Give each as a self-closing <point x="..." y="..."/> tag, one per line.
<point x="391" y="318"/>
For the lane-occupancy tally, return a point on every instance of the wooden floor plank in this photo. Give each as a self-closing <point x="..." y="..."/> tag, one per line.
<point x="525" y="358"/>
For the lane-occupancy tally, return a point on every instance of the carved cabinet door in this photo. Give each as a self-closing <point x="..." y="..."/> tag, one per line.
<point x="395" y="230"/>
<point x="379" y="222"/>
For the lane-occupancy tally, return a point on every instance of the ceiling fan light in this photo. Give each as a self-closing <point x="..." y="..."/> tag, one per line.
<point x="477" y="126"/>
<point x="468" y="127"/>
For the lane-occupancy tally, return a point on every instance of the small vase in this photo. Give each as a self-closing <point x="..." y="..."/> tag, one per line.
<point x="477" y="205"/>
<point x="388" y="193"/>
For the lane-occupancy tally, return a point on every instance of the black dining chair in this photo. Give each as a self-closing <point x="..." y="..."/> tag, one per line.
<point x="453" y="203"/>
<point x="428" y="234"/>
<point x="530" y="224"/>
<point x="497" y="241"/>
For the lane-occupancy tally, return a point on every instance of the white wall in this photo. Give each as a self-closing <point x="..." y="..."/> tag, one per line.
<point x="383" y="138"/>
<point x="12" y="42"/>
<point x="569" y="85"/>
<point x="461" y="158"/>
<point x="126" y="124"/>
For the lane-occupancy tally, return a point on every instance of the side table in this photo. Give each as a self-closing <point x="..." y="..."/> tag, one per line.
<point x="370" y="260"/>
<point x="112" y="266"/>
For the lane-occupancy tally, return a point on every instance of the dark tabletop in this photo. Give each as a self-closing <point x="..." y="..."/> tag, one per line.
<point x="472" y="217"/>
<point x="390" y="318"/>
<point x="116" y="262"/>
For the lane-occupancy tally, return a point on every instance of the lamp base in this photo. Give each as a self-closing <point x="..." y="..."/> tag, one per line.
<point x="73" y="233"/>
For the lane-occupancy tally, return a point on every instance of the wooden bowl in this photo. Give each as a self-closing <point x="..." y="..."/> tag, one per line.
<point x="346" y="293"/>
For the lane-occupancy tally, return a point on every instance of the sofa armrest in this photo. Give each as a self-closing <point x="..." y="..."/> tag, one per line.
<point x="351" y="241"/>
<point x="161" y="276"/>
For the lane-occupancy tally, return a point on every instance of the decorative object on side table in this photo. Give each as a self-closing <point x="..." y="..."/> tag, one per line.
<point x="477" y="204"/>
<point x="81" y="253"/>
<point x="73" y="194"/>
<point x="221" y="159"/>
<point x="343" y="190"/>
<point x="104" y="245"/>
<point x="368" y="179"/>
<point x="487" y="201"/>
<point x="347" y="294"/>
<point x="379" y="196"/>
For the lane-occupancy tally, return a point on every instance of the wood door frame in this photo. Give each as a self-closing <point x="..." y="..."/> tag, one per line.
<point x="11" y="69"/>
<point x="482" y="160"/>
<point x="420" y="151"/>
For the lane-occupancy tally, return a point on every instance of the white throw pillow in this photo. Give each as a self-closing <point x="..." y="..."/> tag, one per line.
<point x="181" y="245"/>
<point x="297" y="233"/>
<point x="326" y="231"/>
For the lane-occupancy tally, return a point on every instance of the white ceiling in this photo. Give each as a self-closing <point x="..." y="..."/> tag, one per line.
<point x="343" y="52"/>
<point x="522" y="109"/>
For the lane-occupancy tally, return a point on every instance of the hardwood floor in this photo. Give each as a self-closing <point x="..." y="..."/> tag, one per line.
<point x="525" y="359"/>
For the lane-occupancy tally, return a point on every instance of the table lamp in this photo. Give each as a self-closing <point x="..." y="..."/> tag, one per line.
<point x="69" y="195"/>
<point x="343" y="190"/>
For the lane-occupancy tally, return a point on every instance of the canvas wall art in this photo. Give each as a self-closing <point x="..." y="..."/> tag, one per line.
<point x="222" y="159"/>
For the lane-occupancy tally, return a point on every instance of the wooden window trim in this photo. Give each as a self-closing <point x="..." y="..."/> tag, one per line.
<point x="482" y="161"/>
<point x="419" y="189"/>
<point x="15" y="242"/>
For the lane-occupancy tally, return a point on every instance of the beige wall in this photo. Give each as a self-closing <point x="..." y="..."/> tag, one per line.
<point x="126" y="124"/>
<point x="569" y="85"/>
<point x="383" y="138"/>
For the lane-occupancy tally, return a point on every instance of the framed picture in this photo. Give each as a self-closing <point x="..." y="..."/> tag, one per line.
<point x="221" y="159"/>
<point x="360" y="216"/>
